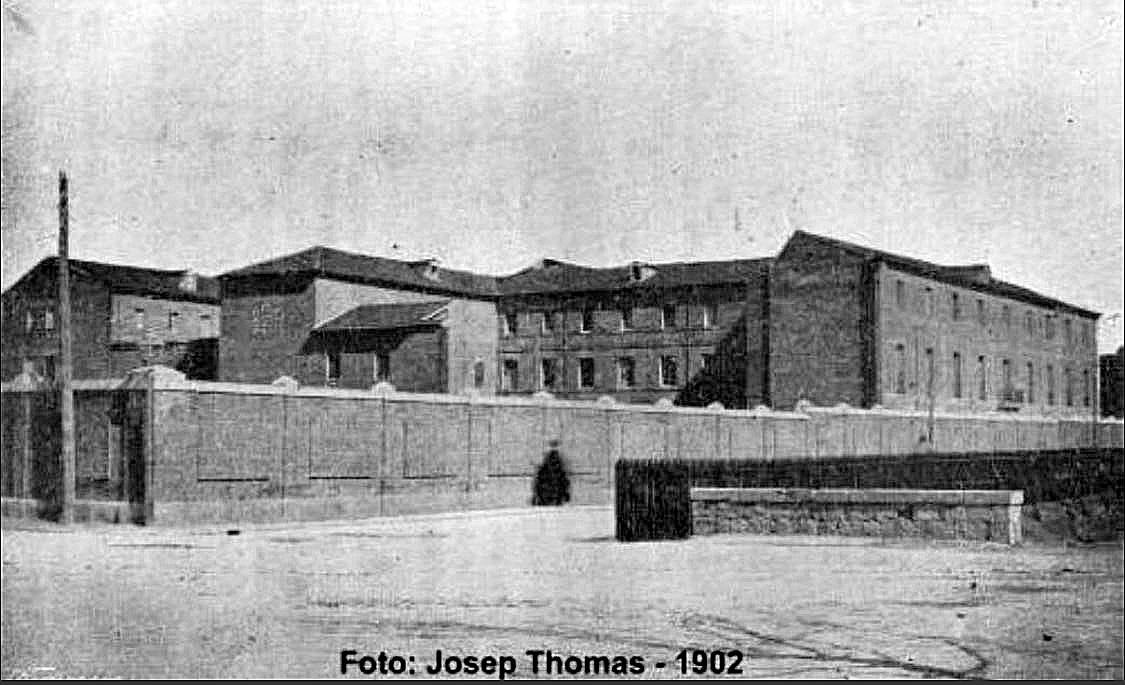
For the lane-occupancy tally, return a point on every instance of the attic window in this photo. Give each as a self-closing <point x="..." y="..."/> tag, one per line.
<point x="639" y="271"/>
<point x="189" y="282"/>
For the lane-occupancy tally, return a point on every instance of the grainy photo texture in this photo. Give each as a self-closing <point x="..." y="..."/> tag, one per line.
<point x="600" y="339"/>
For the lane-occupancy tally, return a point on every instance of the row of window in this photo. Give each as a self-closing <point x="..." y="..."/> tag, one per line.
<point x="1033" y="324"/>
<point x="173" y="318"/>
<point x="1007" y="391"/>
<point x="548" y="322"/>
<point x="551" y="377"/>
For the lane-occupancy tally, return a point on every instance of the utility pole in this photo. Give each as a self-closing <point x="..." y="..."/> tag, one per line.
<point x="66" y="362"/>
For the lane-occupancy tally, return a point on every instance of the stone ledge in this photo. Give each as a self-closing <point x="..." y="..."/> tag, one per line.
<point x="982" y="498"/>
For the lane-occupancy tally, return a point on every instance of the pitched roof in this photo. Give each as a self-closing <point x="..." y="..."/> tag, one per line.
<point x="134" y="280"/>
<point x="328" y="262"/>
<point x="551" y="276"/>
<point x="384" y="317"/>
<point x="974" y="277"/>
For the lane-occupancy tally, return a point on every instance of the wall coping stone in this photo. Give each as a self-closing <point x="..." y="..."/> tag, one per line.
<point x="859" y="496"/>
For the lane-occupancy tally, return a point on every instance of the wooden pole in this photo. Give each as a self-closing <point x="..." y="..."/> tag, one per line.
<point x="66" y="391"/>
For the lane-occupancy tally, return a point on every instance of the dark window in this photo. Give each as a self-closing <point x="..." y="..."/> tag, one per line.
<point x="1006" y="379"/>
<point x="669" y="367"/>
<point x="957" y="371"/>
<point x="1068" y="332"/>
<point x="548" y="374"/>
<point x="1049" y="326"/>
<point x="586" y="372"/>
<point x="1086" y="390"/>
<point x="708" y="362"/>
<point x="668" y="316"/>
<point x="1030" y="382"/>
<point x="626" y="372"/>
<point x="982" y="312"/>
<point x="956" y="306"/>
<point x="1050" y="384"/>
<point x="982" y="378"/>
<point x="511" y="380"/>
<point x="172" y="316"/>
<point x="1068" y="383"/>
<point x="1006" y="316"/>
<point x="548" y="325"/>
<point x="1029" y="323"/>
<point x="587" y="323"/>
<point x="900" y="369"/>
<point x="900" y="294"/>
<point x="626" y="318"/>
<point x="510" y="323"/>
<point x="478" y="374"/>
<point x="930" y="372"/>
<point x="382" y="370"/>
<point x="332" y="367"/>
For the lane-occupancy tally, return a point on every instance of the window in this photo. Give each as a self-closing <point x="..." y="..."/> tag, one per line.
<point x="1049" y="327"/>
<point x="1006" y="378"/>
<point x="332" y="367"/>
<point x="586" y="372"/>
<point x="956" y="299"/>
<point x="1086" y="387"/>
<point x="710" y="315"/>
<point x="1068" y="388"/>
<point x="957" y="391"/>
<point x="1029" y="324"/>
<point x="1006" y="316"/>
<point x="381" y="363"/>
<point x="510" y="323"/>
<point x="668" y="368"/>
<point x="900" y="294"/>
<point x="139" y="318"/>
<point x="668" y="316"/>
<point x="626" y="372"/>
<point x="928" y="301"/>
<point x="1068" y="333"/>
<point x="982" y="378"/>
<point x="900" y="369"/>
<point x="29" y="322"/>
<point x="1050" y="384"/>
<point x="1030" y="382"/>
<point x="547" y="326"/>
<point x="587" y="322"/>
<point x="982" y="312"/>
<point x="708" y="361"/>
<point x="478" y="374"/>
<point x="510" y="381"/>
<point x="930" y="375"/>
<point x="548" y="373"/>
<point x="626" y="318"/>
<point x="48" y="319"/>
<point x="172" y="316"/>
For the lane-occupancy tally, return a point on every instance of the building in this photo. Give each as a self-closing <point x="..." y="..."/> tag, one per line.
<point x="1113" y="383"/>
<point x="826" y="321"/>
<point x="851" y="324"/>
<point x="639" y="332"/>
<point x="122" y="317"/>
<point x="327" y="317"/>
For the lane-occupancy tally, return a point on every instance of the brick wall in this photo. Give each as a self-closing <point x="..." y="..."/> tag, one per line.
<point x="265" y="327"/>
<point x="818" y="344"/>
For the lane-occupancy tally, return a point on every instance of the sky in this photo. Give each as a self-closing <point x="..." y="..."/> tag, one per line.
<point x="205" y="134"/>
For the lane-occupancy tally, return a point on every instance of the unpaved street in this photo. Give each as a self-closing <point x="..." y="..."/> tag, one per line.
<point x="285" y="600"/>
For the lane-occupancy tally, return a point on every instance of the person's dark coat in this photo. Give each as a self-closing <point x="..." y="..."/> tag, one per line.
<point x="552" y="484"/>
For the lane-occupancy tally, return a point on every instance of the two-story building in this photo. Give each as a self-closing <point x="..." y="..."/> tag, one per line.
<point x="122" y="317"/>
<point x="328" y="317"/>
<point x="857" y="325"/>
<point x="690" y="332"/>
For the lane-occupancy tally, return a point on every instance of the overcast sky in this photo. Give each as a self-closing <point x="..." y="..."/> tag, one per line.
<point x="207" y="134"/>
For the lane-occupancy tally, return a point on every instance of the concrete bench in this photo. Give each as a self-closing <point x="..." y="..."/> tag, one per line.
<point x="944" y="514"/>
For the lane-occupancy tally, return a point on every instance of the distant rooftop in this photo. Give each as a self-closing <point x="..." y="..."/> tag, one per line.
<point x="973" y="276"/>
<point x="135" y="280"/>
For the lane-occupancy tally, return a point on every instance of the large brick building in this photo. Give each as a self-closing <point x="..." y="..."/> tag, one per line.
<point x="852" y="324"/>
<point x="639" y="332"/>
<point x="122" y="317"/>
<point x="825" y="321"/>
<point x="328" y="317"/>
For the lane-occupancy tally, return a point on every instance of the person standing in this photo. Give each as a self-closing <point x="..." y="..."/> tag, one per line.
<point x="552" y="484"/>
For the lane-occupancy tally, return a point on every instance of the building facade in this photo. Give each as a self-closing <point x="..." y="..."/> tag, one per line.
<point x="856" y="325"/>
<point x="122" y="317"/>
<point x="328" y="317"/>
<point x="639" y="333"/>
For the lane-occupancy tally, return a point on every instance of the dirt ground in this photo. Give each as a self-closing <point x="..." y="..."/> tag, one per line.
<point x="285" y="600"/>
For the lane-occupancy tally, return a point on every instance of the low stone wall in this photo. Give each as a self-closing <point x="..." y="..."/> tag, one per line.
<point x="943" y="514"/>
